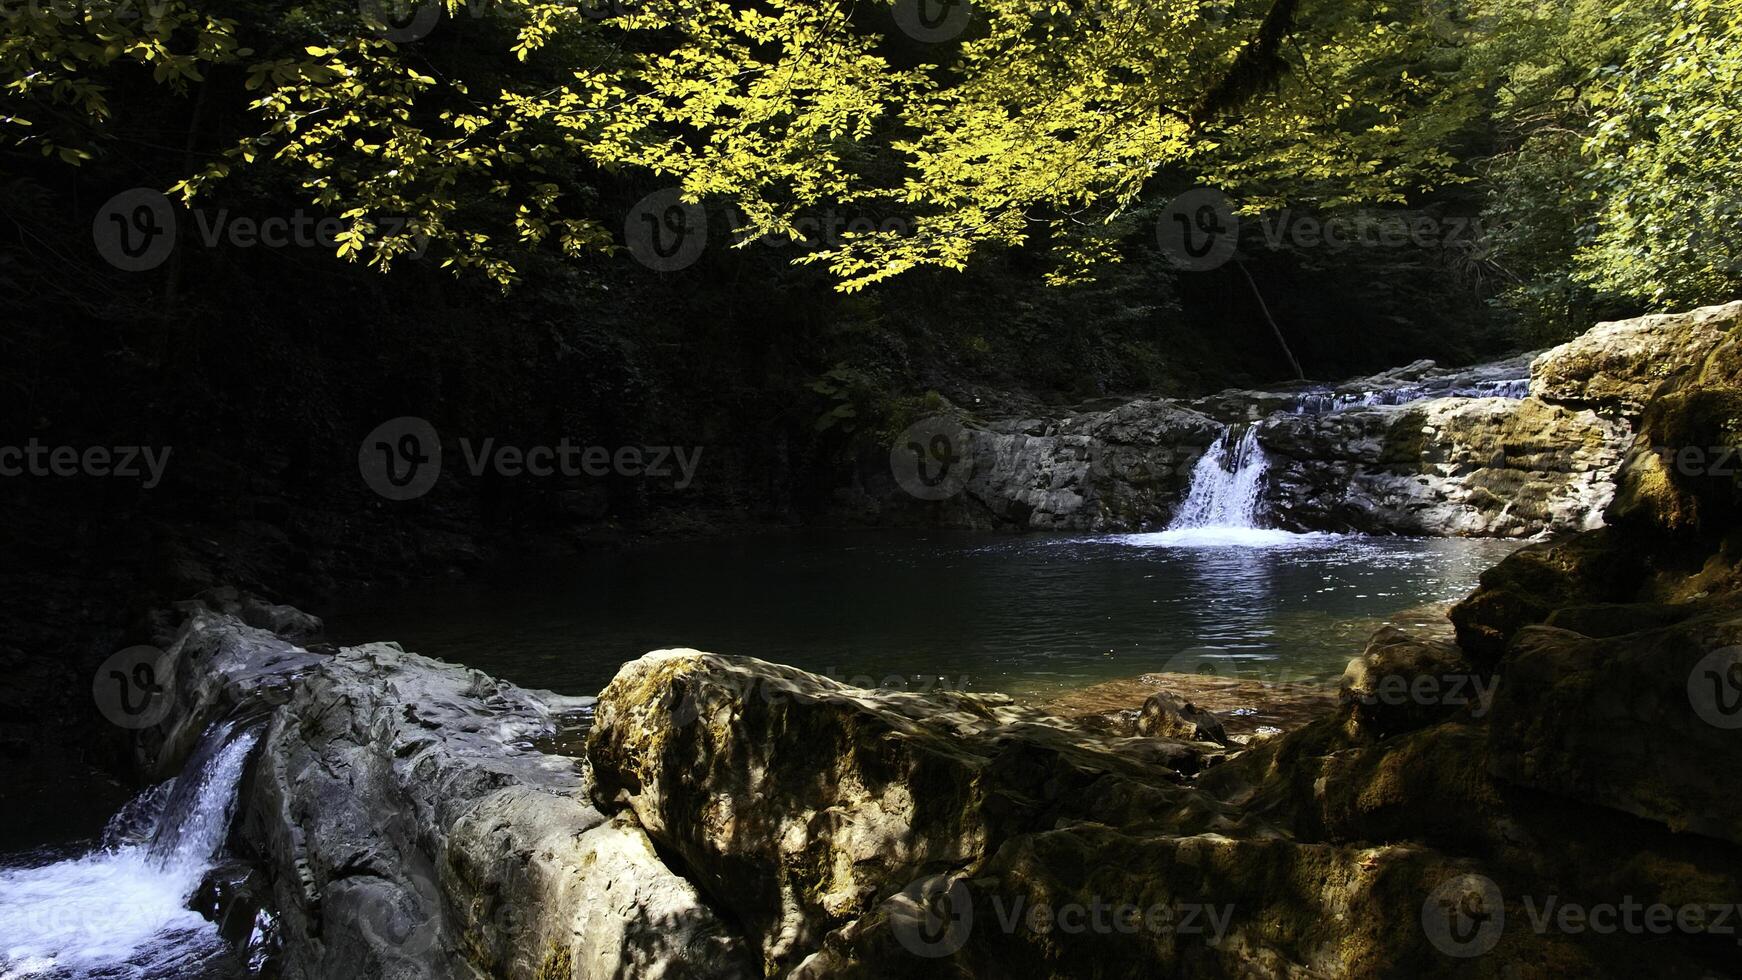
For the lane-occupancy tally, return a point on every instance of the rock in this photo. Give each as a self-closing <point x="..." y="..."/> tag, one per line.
<point x="219" y="667"/>
<point x="409" y="825"/>
<point x="1417" y="450"/>
<point x="1619" y="367"/>
<point x="286" y="621"/>
<point x="1534" y="581"/>
<point x="1120" y="469"/>
<point x="1685" y="474"/>
<point x="1451" y="466"/>
<point x="1602" y="620"/>
<point x="867" y="834"/>
<point x="799" y="805"/>
<point x="1248" y="709"/>
<point x="1635" y="722"/>
<point x="1403" y="682"/>
<point x="1165" y="716"/>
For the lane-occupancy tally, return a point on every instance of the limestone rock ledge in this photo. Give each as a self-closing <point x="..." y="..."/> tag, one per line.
<point x="411" y="823"/>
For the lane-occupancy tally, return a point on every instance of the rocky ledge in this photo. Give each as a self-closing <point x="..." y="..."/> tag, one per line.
<point x="407" y="818"/>
<point x="1421" y="450"/>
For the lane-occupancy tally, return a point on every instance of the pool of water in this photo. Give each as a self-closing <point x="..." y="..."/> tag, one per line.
<point x="1030" y="616"/>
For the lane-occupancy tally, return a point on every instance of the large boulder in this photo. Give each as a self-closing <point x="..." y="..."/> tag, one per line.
<point x="1640" y="722"/>
<point x="800" y="804"/>
<point x="1620" y="367"/>
<point x="1530" y="584"/>
<point x="1117" y="469"/>
<point x="856" y="833"/>
<point x="412" y="819"/>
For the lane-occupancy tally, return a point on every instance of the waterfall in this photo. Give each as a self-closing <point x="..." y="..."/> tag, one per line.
<point x="1226" y="485"/>
<point x="120" y="910"/>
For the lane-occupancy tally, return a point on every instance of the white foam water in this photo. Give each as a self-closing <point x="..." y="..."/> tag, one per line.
<point x="1226" y="485"/>
<point x="1225" y="504"/>
<point x="1230" y="537"/>
<point x="120" y="911"/>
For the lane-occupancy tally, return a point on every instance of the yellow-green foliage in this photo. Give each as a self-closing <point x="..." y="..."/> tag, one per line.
<point x="1042" y="122"/>
<point x="1042" y="119"/>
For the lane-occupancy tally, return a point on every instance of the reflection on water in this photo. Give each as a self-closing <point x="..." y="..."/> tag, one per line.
<point x="1025" y="615"/>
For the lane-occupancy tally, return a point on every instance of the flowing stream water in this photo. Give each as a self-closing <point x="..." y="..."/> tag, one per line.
<point x="119" y="910"/>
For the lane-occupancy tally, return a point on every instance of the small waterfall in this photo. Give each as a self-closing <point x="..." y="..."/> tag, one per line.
<point x="121" y="910"/>
<point x="1226" y="485"/>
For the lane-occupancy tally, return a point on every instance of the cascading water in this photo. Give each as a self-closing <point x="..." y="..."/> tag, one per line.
<point x="1225" y="505"/>
<point x="1226" y="485"/>
<point x="120" y="911"/>
<point x="1323" y="402"/>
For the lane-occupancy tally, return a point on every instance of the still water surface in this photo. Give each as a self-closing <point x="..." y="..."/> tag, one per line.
<point x="1029" y="616"/>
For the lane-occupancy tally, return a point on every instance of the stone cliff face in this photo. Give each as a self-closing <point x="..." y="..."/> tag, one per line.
<point x="1499" y="450"/>
<point x="1450" y="466"/>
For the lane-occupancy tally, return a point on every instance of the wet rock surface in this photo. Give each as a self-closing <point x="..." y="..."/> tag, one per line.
<point x="406" y="824"/>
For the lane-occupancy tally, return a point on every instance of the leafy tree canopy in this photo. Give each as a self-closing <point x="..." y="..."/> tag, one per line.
<point x="1604" y="133"/>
